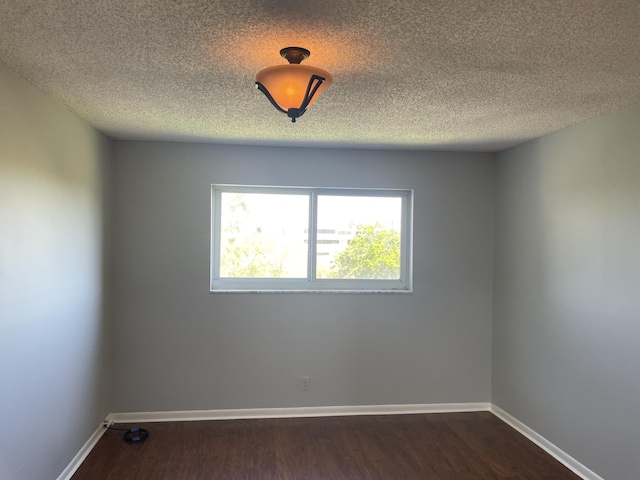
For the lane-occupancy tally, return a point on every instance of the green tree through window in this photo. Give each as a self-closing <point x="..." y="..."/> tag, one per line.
<point x="373" y="253"/>
<point x="248" y="254"/>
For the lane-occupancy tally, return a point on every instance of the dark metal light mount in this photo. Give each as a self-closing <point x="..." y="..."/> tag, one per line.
<point x="295" y="55"/>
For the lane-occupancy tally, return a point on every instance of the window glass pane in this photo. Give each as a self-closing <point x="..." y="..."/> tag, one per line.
<point x="358" y="237"/>
<point x="263" y="235"/>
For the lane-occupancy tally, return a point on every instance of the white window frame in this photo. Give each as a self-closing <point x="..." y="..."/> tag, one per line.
<point x="312" y="284"/>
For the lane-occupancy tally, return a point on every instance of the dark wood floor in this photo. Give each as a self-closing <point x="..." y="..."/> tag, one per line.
<point x="459" y="446"/>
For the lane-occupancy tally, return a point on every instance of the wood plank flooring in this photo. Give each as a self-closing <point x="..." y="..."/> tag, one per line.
<point x="457" y="446"/>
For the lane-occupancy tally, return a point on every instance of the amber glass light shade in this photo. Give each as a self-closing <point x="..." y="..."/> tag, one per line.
<point x="288" y="84"/>
<point x="293" y="88"/>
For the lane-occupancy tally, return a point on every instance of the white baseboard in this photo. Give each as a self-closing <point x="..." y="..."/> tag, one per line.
<point x="235" y="414"/>
<point x="75" y="463"/>
<point x="560" y="455"/>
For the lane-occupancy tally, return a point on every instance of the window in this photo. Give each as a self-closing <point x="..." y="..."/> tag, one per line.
<point x="301" y="239"/>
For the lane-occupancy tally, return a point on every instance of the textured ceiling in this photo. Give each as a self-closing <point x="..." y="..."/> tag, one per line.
<point x="451" y="74"/>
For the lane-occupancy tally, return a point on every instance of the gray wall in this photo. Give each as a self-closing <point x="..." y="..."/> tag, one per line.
<point x="180" y="347"/>
<point x="567" y="291"/>
<point x="53" y="367"/>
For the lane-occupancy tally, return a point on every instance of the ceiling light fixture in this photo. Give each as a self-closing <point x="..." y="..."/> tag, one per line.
<point x="293" y="88"/>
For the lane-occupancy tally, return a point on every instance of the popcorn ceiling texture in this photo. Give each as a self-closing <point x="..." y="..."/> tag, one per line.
<point x="450" y="74"/>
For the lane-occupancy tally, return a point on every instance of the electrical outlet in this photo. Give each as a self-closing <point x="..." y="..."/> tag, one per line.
<point x="306" y="383"/>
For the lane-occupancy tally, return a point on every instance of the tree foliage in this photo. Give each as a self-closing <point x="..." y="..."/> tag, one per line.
<point x="374" y="253"/>
<point x="247" y="254"/>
